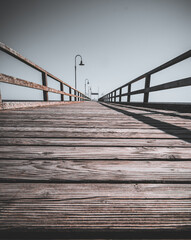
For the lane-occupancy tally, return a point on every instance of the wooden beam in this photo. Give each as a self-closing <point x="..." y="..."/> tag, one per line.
<point x="18" y="56"/>
<point x="120" y="92"/>
<point x="174" y="84"/>
<point x="61" y="89"/>
<point x="147" y="85"/>
<point x="16" y="81"/>
<point x="161" y="67"/>
<point x="129" y="96"/>
<point x="45" y="83"/>
<point x="70" y="92"/>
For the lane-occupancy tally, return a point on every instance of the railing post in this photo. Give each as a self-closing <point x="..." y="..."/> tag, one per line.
<point x="129" y="96"/>
<point x="120" y="92"/>
<point x="75" y="94"/>
<point x="147" y="85"/>
<point x="45" y="83"/>
<point x="70" y="92"/>
<point x="62" y="89"/>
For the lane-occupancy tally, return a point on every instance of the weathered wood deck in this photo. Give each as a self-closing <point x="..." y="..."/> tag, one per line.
<point x="95" y="170"/>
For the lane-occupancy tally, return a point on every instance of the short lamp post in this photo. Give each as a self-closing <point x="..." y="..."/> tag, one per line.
<point x="86" y="81"/>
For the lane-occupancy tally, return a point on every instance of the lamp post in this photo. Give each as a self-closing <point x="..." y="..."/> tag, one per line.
<point x="81" y="64"/>
<point x="89" y="92"/>
<point x="85" y="84"/>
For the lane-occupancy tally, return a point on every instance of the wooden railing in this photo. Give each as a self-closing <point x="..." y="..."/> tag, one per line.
<point x="113" y="95"/>
<point x="72" y="92"/>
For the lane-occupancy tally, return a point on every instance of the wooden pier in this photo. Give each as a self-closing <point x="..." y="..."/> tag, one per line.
<point x="95" y="170"/>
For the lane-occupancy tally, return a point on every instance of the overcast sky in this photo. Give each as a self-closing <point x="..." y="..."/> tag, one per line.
<point x="118" y="40"/>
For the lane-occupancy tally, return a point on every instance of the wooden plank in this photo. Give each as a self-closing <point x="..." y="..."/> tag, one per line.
<point x="26" y="105"/>
<point x="94" y="153"/>
<point x="95" y="206"/>
<point x="95" y="171"/>
<point x="92" y="192"/>
<point x="94" y="130"/>
<point x="103" y="142"/>
<point x="82" y="119"/>
<point x="112" y="125"/>
<point x="77" y="134"/>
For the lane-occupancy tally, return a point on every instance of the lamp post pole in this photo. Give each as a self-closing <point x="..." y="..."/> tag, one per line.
<point x="89" y="92"/>
<point x="86" y="80"/>
<point x="81" y="64"/>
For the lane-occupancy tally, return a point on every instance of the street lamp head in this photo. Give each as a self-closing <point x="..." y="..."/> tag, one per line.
<point x="81" y="63"/>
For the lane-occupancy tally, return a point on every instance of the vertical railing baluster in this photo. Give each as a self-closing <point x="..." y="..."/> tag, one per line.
<point x="62" y="89"/>
<point x="147" y="85"/>
<point x="120" y="92"/>
<point x="45" y="83"/>
<point x="70" y="92"/>
<point x="115" y="93"/>
<point x="129" y="96"/>
<point x="75" y="94"/>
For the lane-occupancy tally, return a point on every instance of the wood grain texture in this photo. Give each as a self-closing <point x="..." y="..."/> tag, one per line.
<point x="93" y="142"/>
<point x="94" y="153"/>
<point x="87" y="169"/>
<point x="95" y="171"/>
<point x="95" y="206"/>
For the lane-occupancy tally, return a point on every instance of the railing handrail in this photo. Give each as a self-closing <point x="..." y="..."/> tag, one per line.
<point x="20" y="82"/>
<point x="45" y="73"/>
<point x="147" y="75"/>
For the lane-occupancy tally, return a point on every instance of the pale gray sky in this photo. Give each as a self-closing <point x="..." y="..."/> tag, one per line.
<point x="118" y="40"/>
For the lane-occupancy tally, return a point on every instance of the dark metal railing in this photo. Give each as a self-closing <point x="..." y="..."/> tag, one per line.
<point x="72" y="92"/>
<point x="112" y="96"/>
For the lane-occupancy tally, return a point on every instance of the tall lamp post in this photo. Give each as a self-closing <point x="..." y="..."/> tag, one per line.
<point x="81" y="64"/>
<point x="86" y="81"/>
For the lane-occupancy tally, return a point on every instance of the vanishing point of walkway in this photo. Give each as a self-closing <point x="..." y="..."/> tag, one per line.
<point x="95" y="170"/>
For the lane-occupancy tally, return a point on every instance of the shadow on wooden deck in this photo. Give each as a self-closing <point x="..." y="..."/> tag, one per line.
<point x="172" y="129"/>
